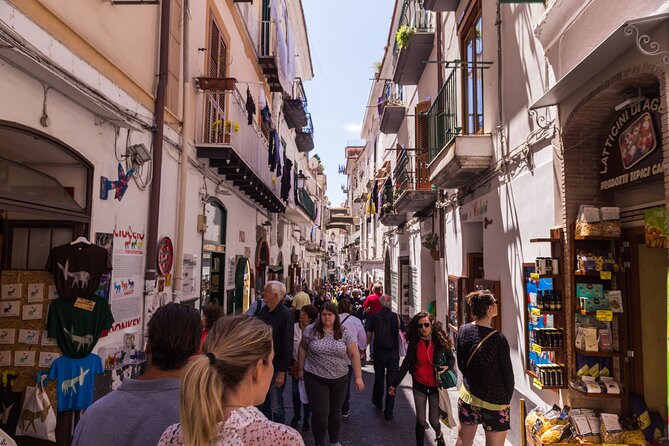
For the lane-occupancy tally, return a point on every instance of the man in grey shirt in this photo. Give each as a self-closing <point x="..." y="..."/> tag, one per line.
<point x="140" y="410"/>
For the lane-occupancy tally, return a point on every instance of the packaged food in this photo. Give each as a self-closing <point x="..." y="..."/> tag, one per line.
<point x="555" y="433"/>
<point x="532" y="417"/>
<point x="610" y="428"/>
<point x="634" y="437"/>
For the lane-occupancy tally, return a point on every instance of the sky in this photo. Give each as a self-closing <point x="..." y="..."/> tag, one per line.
<point x="346" y="38"/>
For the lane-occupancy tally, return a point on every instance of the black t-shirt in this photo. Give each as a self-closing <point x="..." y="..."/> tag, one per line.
<point x="77" y="269"/>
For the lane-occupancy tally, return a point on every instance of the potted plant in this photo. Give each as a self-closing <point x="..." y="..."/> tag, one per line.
<point x="225" y="129"/>
<point x="431" y="242"/>
<point x="387" y="208"/>
<point x="403" y="35"/>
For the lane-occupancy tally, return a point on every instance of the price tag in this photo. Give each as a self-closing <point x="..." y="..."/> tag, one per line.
<point x="605" y="275"/>
<point x="536" y="348"/>
<point x="535" y="276"/>
<point x="536" y="312"/>
<point x="604" y="315"/>
<point x="537" y="383"/>
<point x="84" y="304"/>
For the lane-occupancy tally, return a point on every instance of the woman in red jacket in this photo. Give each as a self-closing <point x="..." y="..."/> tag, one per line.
<point x="429" y="354"/>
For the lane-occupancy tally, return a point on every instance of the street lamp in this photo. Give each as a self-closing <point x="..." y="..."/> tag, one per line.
<point x="300" y="179"/>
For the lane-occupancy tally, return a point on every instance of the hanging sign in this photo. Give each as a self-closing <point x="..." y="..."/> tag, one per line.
<point x="632" y="150"/>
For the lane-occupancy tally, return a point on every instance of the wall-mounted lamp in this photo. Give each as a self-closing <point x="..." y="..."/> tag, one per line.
<point x="138" y="153"/>
<point x="300" y="179"/>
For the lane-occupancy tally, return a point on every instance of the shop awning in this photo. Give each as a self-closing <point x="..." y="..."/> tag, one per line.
<point x="275" y="269"/>
<point x="619" y="41"/>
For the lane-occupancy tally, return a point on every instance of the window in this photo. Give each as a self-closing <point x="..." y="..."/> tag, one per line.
<point x="217" y="218"/>
<point x="215" y="103"/>
<point x="29" y="243"/>
<point x="472" y="48"/>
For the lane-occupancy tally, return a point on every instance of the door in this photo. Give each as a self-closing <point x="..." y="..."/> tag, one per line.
<point x="216" y="261"/>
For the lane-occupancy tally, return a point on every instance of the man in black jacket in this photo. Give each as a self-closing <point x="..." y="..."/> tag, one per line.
<point x="280" y="318"/>
<point x="385" y="326"/>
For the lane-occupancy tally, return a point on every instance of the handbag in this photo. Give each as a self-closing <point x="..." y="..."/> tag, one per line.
<point x="445" y="409"/>
<point x="448" y="379"/>
<point x="401" y="339"/>
<point x="37" y="418"/>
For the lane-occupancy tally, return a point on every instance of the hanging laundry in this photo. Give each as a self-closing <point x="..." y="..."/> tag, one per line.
<point x="271" y="158"/>
<point x="277" y="153"/>
<point x="250" y="105"/>
<point x="266" y="115"/>
<point x="286" y="179"/>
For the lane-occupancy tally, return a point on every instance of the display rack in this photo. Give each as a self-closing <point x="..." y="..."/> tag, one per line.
<point x="545" y="322"/>
<point x="599" y="246"/>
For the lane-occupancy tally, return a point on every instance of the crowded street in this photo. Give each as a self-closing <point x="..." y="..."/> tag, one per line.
<point x="359" y="222"/>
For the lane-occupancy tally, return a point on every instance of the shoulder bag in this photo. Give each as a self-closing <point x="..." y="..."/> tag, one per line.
<point x="401" y="339"/>
<point x="476" y="349"/>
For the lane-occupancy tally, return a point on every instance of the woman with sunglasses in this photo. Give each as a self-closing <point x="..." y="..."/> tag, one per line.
<point x="429" y="354"/>
<point x="485" y="363"/>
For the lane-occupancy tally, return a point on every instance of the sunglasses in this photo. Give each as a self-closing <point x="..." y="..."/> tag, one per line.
<point x="425" y="325"/>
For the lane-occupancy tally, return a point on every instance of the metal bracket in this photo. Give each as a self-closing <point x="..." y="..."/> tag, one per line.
<point x="645" y="44"/>
<point x="540" y="120"/>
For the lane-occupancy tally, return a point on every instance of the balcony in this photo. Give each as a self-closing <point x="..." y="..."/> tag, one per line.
<point x="305" y="203"/>
<point x="392" y="218"/>
<point x="295" y="109"/>
<point x="455" y="158"/>
<point x="234" y="150"/>
<point x="304" y="137"/>
<point x="268" y="53"/>
<point x="410" y="57"/>
<point x="441" y="5"/>
<point x="412" y="185"/>
<point x="391" y="108"/>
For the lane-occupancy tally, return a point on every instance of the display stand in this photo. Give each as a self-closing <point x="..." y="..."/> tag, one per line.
<point x="545" y="322"/>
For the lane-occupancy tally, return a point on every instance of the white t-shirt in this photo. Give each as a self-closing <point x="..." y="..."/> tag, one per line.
<point x="354" y="325"/>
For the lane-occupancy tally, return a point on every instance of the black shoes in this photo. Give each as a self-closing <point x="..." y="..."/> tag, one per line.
<point x="440" y="439"/>
<point x="306" y="427"/>
<point x="388" y="417"/>
<point x="378" y="405"/>
<point x="293" y="422"/>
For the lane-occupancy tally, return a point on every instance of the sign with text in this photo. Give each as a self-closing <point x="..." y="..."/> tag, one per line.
<point x="655" y="227"/>
<point x="632" y="149"/>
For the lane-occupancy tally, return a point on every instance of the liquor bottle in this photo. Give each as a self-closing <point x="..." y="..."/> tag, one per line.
<point x="540" y="300"/>
<point x="551" y="301"/>
<point x="558" y="301"/>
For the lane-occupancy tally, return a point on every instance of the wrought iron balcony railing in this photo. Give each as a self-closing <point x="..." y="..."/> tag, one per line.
<point x="415" y="16"/>
<point x="443" y="119"/>
<point x="305" y="202"/>
<point x="411" y="172"/>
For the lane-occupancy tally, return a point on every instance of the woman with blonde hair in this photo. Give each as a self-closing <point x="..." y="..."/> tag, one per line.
<point x="222" y="386"/>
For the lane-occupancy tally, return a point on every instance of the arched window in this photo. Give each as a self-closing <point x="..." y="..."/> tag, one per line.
<point x="217" y="217"/>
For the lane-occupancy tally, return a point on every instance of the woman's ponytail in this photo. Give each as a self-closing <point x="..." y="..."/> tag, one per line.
<point x="201" y="407"/>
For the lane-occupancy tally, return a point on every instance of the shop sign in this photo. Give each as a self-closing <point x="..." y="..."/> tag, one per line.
<point x="655" y="222"/>
<point x="632" y="150"/>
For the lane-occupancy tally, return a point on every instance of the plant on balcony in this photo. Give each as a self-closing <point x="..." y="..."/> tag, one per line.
<point x="431" y="242"/>
<point x="387" y="208"/>
<point x="231" y="126"/>
<point x="403" y="35"/>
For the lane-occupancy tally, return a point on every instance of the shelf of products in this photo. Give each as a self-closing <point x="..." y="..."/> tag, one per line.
<point x="599" y="335"/>
<point x="545" y="317"/>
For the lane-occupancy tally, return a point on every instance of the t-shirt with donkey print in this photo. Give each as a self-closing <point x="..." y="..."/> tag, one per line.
<point x="77" y="327"/>
<point x="77" y="269"/>
<point x="75" y="381"/>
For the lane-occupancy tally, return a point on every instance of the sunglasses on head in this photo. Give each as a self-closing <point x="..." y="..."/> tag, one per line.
<point x="425" y="325"/>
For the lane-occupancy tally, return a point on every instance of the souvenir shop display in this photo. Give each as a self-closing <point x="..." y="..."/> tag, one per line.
<point x="37" y="418"/>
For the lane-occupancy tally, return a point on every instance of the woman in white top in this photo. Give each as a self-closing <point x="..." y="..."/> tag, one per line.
<point x="354" y="325"/>
<point x="308" y="313"/>
<point x="222" y="386"/>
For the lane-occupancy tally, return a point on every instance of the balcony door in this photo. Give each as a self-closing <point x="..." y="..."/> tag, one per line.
<point x="472" y="55"/>
<point x="215" y="102"/>
<point x="422" y="158"/>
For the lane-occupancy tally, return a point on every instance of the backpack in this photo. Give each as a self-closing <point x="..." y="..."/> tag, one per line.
<point x="383" y="333"/>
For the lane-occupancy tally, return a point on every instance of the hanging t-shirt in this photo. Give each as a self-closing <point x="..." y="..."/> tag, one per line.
<point x="77" y="327"/>
<point x="75" y="381"/>
<point x="77" y="269"/>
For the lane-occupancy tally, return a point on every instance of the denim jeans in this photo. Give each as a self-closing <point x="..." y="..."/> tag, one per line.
<point x="297" y="402"/>
<point x="386" y="366"/>
<point x="273" y="408"/>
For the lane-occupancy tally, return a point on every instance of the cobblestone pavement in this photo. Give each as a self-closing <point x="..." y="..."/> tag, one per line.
<point x="366" y="426"/>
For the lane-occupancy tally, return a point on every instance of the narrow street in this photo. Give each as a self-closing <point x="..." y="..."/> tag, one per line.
<point x="366" y="426"/>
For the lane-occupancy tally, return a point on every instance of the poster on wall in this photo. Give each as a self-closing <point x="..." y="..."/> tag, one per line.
<point x="106" y="240"/>
<point x="125" y="292"/>
<point x="655" y="224"/>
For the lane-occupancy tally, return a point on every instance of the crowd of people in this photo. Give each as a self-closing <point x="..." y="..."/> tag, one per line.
<point x="219" y="380"/>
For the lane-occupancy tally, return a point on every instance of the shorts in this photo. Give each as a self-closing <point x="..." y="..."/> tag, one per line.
<point x="492" y="420"/>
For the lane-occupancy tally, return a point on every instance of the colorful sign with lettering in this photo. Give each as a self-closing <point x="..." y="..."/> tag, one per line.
<point x="632" y="150"/>
<point x="655" y="220"/>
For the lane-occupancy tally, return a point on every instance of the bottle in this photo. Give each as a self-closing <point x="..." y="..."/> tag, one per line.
<point x="552" y="301"/>
<point x="558" y="301"/>
<point x="540" y="300"/>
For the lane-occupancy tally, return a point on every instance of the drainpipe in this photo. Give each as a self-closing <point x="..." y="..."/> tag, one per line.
<point x="154" y="205"/>
<point x="440" y="72"/>
<point x="183" y="166"/>
<point x="500" y="110"/>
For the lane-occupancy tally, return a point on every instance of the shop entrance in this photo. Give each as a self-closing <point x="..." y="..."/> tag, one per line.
<point x="213" y="252"/>
<point x="648" y="321"/>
